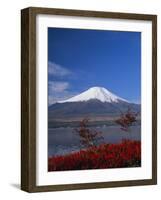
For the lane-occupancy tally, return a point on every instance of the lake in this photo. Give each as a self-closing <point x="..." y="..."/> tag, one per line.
<point x="65" y="140"/>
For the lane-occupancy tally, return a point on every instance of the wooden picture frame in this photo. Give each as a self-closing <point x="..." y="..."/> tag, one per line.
<point x="28" y="98"/>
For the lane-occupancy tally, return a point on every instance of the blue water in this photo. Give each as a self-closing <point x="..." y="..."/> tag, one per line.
<point x="65" y="140"/>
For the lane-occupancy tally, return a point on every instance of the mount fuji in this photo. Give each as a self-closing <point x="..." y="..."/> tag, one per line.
<point x="98" y="93"/>
<point x="96" y="103"/>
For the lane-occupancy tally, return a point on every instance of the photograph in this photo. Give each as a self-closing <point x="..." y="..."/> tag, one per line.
<point x="94" y="99"/>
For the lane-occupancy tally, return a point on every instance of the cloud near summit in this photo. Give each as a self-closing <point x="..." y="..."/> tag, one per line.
<point x="57" y="86"/>
<point x="58" y="83"/>
<point x="57" y="70"/>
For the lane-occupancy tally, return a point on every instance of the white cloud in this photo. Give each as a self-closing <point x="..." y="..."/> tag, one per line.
<point x="58" y="90"/>
<point x="57" y="86"/>
<point x="51" y="100"/>
<point x="57" y="70"/>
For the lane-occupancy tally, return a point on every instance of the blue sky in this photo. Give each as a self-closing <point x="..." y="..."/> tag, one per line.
<point x="79" y="59"/>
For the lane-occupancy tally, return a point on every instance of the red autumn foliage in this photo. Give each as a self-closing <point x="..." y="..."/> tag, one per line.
<point x="125" y="154"/>
<point x="88" y="137"/>
<point x="127" y="119"/>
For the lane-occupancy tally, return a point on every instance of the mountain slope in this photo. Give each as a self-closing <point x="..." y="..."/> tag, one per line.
<point x="90" y="108"/>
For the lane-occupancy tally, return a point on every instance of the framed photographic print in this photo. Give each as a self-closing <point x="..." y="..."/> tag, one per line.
<point x="89" y="99"/>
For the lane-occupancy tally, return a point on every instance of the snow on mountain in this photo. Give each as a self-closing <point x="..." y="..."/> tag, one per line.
<point x="99" y="93"/>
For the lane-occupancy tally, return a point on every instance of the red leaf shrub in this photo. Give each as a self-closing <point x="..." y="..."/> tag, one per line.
<point x="125" y="154"/>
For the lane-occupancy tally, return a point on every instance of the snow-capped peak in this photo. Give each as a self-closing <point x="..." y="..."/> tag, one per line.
<point x="99" y="93"/>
